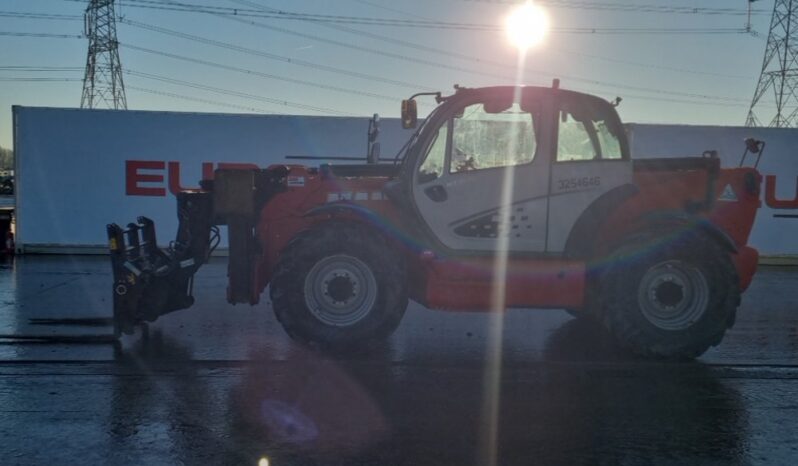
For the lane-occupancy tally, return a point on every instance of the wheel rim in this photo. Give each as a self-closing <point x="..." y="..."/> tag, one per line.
<point x="673" y="295"/>
<point x="340" y="290"/>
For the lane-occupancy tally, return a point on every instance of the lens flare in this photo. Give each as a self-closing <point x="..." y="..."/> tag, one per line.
<point x="527" y="25"/>
<point x="489" y="435"/>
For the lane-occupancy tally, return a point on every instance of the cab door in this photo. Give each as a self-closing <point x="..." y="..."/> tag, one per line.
<point x="487" y="160"/>
<point x="592" y="158"/>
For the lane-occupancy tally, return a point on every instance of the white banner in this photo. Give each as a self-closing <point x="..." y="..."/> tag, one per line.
<point x="78" y="170"/>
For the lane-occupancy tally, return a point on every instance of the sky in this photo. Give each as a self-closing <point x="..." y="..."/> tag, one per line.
<point x="675" y="62"/>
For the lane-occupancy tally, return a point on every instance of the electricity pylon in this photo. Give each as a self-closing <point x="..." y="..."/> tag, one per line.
<point x="102" y="83"/>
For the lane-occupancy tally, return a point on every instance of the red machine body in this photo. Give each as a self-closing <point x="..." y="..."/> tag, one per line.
<point x="466" y="283"/>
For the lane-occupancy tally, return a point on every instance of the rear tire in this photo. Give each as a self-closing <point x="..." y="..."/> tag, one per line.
<point x="339" y="286"/>
<point x="669" y="298"/>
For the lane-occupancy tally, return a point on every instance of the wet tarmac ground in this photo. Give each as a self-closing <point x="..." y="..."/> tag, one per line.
<point x="222" y="384"/>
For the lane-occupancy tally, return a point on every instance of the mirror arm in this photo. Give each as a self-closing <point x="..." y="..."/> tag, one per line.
<point x="438" y="98"/>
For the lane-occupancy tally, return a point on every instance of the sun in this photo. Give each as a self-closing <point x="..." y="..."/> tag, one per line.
<point x="527" y="25"/>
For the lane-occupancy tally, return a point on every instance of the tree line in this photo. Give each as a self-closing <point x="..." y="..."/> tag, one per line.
<point x="6" y="158"/>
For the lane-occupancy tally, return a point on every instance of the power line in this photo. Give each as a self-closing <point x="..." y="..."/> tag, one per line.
<point x="252" y="72"/>
<point x="38" y="79"/>
<point x="198" y="99"/>
<point x="31" y="68"/>
<point x="631" y="7"/>
<point x="394" y="10"/>
<point x="328" y="41"/>
<point x="42" y="34"/>
<point x="349" y="72"/>
<point x="480" y="61"/>
<point x="652" y="31"/>
<point x="260" y="74"/>
<point x="269" y="76"/>
<point x="271" y="56"/>
<point x="471" y="58"/>
<point x="425" y="24"/>
<point x="29" y="15"/>
<point x="375" y="21"/>
<point x="456" y="68"/>
<point x="631" y="97"/>
<point x="387" y="39"/>
<point x="565" y="4"/>
<point x="286" y="15"/>
<point x="415" y="86"/>
<point x="229" y="92"/>
<point x="27" y="68"/>
<point x="651" y="66"/>
<point x="462" y="69"/>
<point x="628" y="96"/>
<point x="260" y="110"/>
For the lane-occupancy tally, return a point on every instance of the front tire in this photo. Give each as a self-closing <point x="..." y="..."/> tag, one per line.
<point x="339" y="286"/>
<point x="671" y="298"/>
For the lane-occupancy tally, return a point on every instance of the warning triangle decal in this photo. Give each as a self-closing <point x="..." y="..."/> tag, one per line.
<point x="727" y="194"/>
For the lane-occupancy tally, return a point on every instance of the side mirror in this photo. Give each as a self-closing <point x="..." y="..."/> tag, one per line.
<point x="752" y="145"/>
<point x="409" y="114"/>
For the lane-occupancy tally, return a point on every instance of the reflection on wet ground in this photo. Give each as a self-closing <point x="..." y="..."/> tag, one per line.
<point x="223" y="385"/>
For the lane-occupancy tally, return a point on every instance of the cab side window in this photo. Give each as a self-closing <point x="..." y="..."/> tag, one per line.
<point x="587" y="131"/>
<point x="610" y="142"/>
<point x="573" y="140"/>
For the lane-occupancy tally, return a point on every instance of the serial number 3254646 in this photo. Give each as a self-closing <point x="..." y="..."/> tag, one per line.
<point x="579" y="183"/>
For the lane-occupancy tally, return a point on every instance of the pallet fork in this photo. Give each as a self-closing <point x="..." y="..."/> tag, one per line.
<point x="150" y="282"/>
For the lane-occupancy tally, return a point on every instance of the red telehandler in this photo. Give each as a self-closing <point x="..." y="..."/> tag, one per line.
<point x="536" y="179"/>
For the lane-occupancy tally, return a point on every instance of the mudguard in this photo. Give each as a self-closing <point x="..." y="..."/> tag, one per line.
<point x="406" y="234"/>
<point x="669" y="220"/>
<point x="581" y="239"/>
